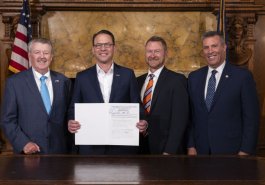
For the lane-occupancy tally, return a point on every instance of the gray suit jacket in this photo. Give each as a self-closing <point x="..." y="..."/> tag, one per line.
<point x="25" y="119"/>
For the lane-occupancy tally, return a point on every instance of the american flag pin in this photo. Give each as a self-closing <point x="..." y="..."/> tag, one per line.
<point x="56" y="81"/>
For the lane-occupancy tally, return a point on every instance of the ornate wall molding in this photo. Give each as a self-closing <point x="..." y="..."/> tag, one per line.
<point x="243" y="11"/>
<point x="126" y="5"/>
<point x="247" y="9"/>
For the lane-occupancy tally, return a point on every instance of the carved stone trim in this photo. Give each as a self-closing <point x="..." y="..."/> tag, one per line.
<point x="240" y="29"/>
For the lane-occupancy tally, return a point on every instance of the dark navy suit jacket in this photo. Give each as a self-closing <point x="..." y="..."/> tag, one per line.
<point x="87" y="90"/>
<point x="169" y="114"/>
<point x="232" y="124"/>
<point x="24" y="116"/>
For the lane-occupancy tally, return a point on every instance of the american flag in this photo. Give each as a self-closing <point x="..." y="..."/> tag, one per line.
<point x="19" y="57"/>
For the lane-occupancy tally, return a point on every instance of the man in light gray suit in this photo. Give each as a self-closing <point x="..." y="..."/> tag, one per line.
<point x="31" y="125"/>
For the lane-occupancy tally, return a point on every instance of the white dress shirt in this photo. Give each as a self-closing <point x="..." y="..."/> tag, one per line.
<point x="105" y="82"/>
<point x="156" y="73"/>
<point x="217" y="76"/>
<point x="48" y="82"/>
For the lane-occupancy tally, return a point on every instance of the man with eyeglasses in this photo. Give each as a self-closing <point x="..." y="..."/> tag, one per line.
<point x="105" y="82"/>
<point x="165" y="100"/>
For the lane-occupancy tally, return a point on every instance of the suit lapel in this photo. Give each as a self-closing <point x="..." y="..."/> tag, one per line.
<point x="115" y="81"/>
<point x="159" y="85"/>
<point x="141" y="81"/>
<point x="56" y="86"/>
<point x="31" y="83"/>
<point x="222" y="83"/>
<point x="201" y="87"/>
<point x="93" y="77"/>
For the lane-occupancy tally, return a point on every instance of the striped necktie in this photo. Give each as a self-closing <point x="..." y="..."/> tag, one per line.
<point x="210" y="90"/>
<point x="45" y="94"/>
<point x="148" y="94"/>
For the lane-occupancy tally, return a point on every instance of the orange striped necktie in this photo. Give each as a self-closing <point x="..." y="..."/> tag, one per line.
<point x="148" y="94"/>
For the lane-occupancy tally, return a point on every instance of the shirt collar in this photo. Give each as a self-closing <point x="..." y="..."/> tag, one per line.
<point x="38" y="75"/>
<point x="219" y="69"/>
<point x="100" y="71"/>
<point x="157" y="72"/>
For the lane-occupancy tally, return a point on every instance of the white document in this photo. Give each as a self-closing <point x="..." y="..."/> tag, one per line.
<point x="107" y="124"/>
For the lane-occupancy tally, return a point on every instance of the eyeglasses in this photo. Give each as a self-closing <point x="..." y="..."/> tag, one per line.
<point x="156" y="52"/>
<point x="106" y="45"/>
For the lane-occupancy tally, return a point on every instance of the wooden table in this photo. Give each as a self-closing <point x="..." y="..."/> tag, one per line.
<point x="64" y="170"/>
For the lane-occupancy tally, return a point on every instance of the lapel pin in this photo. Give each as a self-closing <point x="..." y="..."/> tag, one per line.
<point x="226" y="76"/>
<point x="56" y="81"/>
<point x="117" y="74"/>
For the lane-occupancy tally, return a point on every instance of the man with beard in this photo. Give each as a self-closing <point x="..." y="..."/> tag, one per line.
<point x="165" y="100"/>
<point x="224" y="104"/>
<point x="35" y="105"/>
<point x="105" y="82"/>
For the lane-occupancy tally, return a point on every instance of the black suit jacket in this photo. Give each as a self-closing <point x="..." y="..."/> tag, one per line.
<point x="87" y="90"/>
<point x="24" y="116"/>
<point x="169" y="113"/>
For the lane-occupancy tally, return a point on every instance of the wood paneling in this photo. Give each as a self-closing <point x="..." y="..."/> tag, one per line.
<point x="61" y="170"/>
<point x="259" y="75"/>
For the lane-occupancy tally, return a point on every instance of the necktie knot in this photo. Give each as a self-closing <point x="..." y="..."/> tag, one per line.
<point x="151" y="76"/>
<point x="43" y="78"/>
<point x="214" y="72"/>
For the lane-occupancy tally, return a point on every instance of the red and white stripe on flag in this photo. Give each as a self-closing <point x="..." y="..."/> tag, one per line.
<point x="19" y="56"/>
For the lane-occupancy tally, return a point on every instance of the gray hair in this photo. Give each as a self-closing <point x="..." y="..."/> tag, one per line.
<point x="40" y="40"/>
<point x="212" y="34"/>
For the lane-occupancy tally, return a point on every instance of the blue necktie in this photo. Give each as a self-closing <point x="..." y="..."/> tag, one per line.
<point x="210" y="90"/>
<point x="45" y="94"/>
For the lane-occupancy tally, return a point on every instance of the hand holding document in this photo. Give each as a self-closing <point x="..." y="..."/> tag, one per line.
<point x="107" y="124"/>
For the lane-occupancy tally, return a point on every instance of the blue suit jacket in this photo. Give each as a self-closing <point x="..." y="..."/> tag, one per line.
<point x="25" y="119"/>
<point x="232" y="124"/>
<point x="87" y="90"/>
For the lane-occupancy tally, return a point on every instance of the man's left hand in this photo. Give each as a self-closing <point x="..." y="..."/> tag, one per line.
<point x="142" y="126"/>
<point x="240" y="153"/>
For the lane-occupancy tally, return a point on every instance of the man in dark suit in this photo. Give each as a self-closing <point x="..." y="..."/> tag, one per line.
<point x="167" y="110"/>
<point x="225" y="108"/>
<point x="105" y="82"/>
<point x="31" y="124"/>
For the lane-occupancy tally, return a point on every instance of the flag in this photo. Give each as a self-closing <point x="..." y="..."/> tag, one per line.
<point x="221" y="19"/>
<point x="19" y="56"/>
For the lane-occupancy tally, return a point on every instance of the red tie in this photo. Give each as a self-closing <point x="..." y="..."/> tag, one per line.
<point x="148" y="94"/>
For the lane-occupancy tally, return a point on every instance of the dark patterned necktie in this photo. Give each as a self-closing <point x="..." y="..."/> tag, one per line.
<point x="210" y="90"/>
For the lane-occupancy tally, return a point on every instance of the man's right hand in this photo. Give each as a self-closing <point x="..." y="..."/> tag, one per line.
<point x="192" y="151"/>
<point x="73" y="126"/>
<point x="31" y="148"/>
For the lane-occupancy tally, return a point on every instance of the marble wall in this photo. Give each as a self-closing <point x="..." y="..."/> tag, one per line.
<point x="71" y="34"/>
